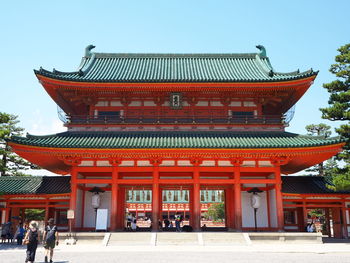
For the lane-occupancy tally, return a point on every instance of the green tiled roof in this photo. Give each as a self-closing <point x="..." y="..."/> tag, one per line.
<point x="139" y="68"/>
<point x="138" y="140"/>
<point x="34" y="185"/>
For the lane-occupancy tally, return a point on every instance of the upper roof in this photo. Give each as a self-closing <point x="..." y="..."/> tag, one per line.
<point x="176" y="139"/>
<point x="34" y="185"/>
<point x="170" y="68"/>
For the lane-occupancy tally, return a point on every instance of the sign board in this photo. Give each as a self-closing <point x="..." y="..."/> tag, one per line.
<point x="101" y="219"/>
<point x="70" y="214"/>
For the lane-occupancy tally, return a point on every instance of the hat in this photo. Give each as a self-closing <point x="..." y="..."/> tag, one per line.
<point x="51" y="221"/>
<point x="33" y="224"/>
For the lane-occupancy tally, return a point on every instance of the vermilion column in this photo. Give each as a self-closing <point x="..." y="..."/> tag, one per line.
<point x="238" y="200"/>
<point x="196" y="199"/>
<point x="46" y="211"/>
<point x="155" y="197"/>
<point x="73" y="194"/>
<point x="344" y="225"/>
<point x="114" y="199"/>
<point x="229" y="207"/>
<point x="279" y="200"/>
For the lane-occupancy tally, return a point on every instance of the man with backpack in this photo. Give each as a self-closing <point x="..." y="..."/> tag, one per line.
<point x="50" y="239"/>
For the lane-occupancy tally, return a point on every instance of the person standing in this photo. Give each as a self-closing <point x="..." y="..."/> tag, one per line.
<point x="20" y="234"/>
<point x="129" y="221"/>
<point x="31" y="240"/>
<point x="133" y="223"/>
<point x="50" y="239"/>
<point x="177" y="223"/>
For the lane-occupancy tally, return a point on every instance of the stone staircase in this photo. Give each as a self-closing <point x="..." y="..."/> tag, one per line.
<point x="195" y="238"/>
<point x="130" y="239"/>
<point x="225" y="239"/>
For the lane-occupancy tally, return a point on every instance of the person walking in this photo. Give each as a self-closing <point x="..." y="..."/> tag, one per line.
<point x="31" y="240"/>
<point x="50" y="239"/>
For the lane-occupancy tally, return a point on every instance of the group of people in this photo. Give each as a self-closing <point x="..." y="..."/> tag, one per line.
<point x="131" y="223"/>
<point x="28" y="234"/>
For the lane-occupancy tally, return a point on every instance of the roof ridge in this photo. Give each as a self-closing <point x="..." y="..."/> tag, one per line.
<point x="174" y="55"/>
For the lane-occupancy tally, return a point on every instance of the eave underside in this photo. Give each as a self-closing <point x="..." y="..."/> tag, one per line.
<point x="60" y="160"/>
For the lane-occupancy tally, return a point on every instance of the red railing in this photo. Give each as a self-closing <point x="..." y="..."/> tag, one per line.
<point x="267" y="119"/>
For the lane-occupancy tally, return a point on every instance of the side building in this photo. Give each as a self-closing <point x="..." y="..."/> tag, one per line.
<point x="185" y="124"/>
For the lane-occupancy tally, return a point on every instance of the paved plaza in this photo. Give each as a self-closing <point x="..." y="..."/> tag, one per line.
<point x="323" y="253"/>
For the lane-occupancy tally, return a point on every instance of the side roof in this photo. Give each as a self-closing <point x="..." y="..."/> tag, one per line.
<point x="177" y="68"/>
<point x="34" y="185"/>
<point x="308" y="185"/>
<point x="139" y="140"/>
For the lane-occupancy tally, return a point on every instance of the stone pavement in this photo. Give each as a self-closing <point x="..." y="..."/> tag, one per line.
<point x="320" y="253"/>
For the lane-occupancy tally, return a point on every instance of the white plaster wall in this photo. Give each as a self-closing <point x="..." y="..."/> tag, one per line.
<point x="89" y="213"/>
<point x="78" y="209"/>
<point x="273" y="208"/>
<point x="248" y="211"/>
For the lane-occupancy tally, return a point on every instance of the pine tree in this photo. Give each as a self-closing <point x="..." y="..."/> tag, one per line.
<point x="11" y="163"/>
<point x="318" y="130"/>
<point x="339" y="110"/>
<point x="339" y="100"/>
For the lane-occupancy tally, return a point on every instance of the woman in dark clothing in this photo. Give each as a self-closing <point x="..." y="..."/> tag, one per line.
<point x="31" y="239"/>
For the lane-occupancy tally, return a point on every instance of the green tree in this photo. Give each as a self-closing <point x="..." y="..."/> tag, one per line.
<point x="339" y="100"/>
<point x="339" y="110"/>
<point x="11" y="163"/>
<point x="318" y="130"/>
<point x="216" y="211"/>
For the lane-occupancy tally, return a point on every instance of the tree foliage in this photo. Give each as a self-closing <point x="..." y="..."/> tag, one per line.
<point x="216" y="211"/>
<point x="339" y="110"/>
<point x="11" y="163"/>
<point x="318" y="130"/>
<point x="339" y="99"/>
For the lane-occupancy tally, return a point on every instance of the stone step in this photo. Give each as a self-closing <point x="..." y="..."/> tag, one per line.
<point x="130" y="239"/>
<point x="222" y="239"/>
<point x="177" y="239"/>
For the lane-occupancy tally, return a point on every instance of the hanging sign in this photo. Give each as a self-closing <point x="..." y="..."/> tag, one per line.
<point x="70" y="214"/>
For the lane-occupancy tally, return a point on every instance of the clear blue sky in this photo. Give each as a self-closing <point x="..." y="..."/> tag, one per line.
<point x="53" y="34"/>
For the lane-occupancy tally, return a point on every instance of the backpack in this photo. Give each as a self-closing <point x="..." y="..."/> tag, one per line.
<point x="50" y="233"/>
<point x="33" y="236"/>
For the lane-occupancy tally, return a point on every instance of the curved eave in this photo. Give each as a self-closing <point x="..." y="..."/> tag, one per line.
<point x="300" y="158"/>
<point x="106" y="85"/>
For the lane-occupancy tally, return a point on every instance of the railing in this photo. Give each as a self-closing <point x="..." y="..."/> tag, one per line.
<point x="174" y="120"/>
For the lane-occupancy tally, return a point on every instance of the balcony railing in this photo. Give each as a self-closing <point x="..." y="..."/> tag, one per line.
<point x="174" y="120"/>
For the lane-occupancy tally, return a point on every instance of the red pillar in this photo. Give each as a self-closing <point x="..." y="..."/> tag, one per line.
<point x="121" y="209"/>
<point x="73" y="194"/>
<point x="82" y="208"/>
<point x="345" y="227"/>
<point x="279" y="200"/>
<point x="229" y="213"/>
<point x="114" y="199"/>
<point x="238" y="200"/>
<point x="196" y="199"/>
<point x="337" y="229"/>
<point x="46" y="212"/>
<point x="155" y="197"/>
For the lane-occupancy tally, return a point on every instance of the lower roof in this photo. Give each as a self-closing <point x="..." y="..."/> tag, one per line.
<point x="34" y="185"/>
<point x="17" y="185"/>
<point x="175" y="139"/>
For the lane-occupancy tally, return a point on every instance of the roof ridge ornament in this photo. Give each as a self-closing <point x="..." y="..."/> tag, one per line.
<point x="262" y="50"/>
<point x="88" y="49"/>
